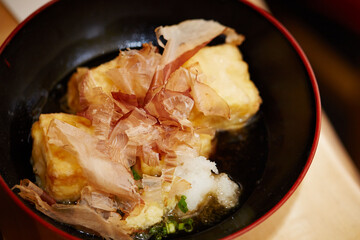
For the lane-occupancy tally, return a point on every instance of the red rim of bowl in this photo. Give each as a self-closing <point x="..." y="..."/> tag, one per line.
<point x="310" y="72"/>
<point x="315" y="88"/>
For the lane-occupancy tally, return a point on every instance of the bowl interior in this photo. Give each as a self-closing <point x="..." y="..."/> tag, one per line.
<point x="266" y="158"/>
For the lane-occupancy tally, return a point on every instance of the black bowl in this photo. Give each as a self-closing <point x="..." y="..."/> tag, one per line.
<point x="269" y="158"/>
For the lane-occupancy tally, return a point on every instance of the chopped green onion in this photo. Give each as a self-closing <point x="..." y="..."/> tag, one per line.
<point x="135" y="174"/>
<point x="155" y="229"/>
<point x="158" y="237"/>
<point x="171" y="227"/>
<point x="181" y="226"/>
<point x="182" y="204"/>
<point x="164" y="231"/>
<point x="158" y="231"/>
<point x="188" y="225"/>
<point x="188" y="221"/>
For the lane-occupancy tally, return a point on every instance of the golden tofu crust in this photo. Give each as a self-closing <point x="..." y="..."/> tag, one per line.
<point x="57" y="169"/>
<point x="227" y="73"/>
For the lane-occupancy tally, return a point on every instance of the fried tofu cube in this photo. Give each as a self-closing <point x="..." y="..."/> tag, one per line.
<point x="100" y="79"/>
<point x="57" y="170"/>
<point x="227" y="73"/>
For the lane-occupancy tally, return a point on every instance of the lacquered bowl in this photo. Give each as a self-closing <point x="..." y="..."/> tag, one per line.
<point x="269" y="158"/>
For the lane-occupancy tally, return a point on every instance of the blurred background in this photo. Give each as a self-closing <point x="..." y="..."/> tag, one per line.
<point x="329" y="33"/>
<point x="327" y="30"/>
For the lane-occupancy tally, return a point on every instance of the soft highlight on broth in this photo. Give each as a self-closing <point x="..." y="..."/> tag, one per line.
<point x="131" y="160"/>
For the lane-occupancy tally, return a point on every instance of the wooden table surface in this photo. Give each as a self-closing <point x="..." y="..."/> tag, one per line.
<point x="326" y="205"/>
